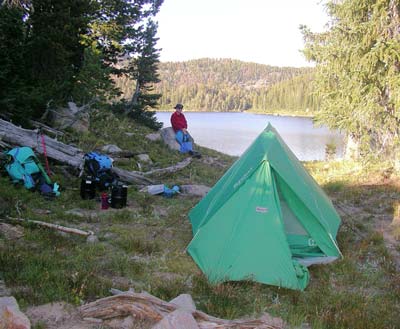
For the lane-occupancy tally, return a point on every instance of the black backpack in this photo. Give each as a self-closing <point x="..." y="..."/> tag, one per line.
<point x="99" y="168"/>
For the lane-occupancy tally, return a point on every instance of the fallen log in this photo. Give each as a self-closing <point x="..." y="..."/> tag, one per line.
<point x="132" y="176"/>
<point x="49" y="225"/>
<point x="144" y="306"/>
<point x="31" y="138"/>
<point x="47" y="129"/>
<point x="171" y="169"/>
<point x="59" y="151"/>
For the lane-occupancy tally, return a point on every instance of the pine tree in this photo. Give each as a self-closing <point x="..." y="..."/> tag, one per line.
<point x="54" y="50"/>
<point x="12" y="83"/>
<point x="94" y="84"/>
<point x="143" y="71"/>
<point x="358" y="71"/>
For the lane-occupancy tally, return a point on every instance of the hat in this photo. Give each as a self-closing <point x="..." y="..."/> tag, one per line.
<point x="178" y="106"/>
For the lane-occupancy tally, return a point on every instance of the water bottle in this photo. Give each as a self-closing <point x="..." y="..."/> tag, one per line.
<point x="104" y="201"/>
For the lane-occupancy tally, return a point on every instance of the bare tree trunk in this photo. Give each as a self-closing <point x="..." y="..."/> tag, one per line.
<point x="134" y="99"/>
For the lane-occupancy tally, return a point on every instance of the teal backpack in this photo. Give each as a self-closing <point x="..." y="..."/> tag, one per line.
<point x="24" y="167"/>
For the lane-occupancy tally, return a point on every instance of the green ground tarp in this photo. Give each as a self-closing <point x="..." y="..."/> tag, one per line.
<point x="265" y="220"/>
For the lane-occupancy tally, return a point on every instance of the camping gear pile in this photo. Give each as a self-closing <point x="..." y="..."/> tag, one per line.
<point x="24" y="167"/>
<point x="265" y="220"/>
<point x="98" y="176"/>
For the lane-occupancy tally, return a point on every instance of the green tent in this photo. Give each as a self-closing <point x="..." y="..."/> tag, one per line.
<point x="265" y="220"/>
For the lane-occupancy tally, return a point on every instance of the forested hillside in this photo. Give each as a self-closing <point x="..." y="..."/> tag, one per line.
<point x="231" y="85"/>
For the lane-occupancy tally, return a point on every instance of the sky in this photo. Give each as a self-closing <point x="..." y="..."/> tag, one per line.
<point x="259" y="31"/>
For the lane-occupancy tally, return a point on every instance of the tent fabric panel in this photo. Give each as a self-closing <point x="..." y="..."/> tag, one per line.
<point x="229" y="183"/>
<point x="284" y="162"/>
<point x="312" y="225"/>
<point x="245" y="239"/>
<point x="291" y="222"/>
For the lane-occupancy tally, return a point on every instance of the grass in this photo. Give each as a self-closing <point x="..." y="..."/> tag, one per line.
<point x="143" y="246"/>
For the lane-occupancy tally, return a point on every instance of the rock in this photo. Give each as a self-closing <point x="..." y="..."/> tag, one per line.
<point x="73" y="117"/>
<point x="185" y="302"/>
<point x="109" y="236"/>
<point x="10" y="315"/>
<point x="73" y="107"/>
<point x="59" y="316"/>
<point x="197" y="190"/>
<point x="129" y="134"/>
<point x="273" y="321"/>
<point x="179" y="319"/>
<point x="154" y="137"/>
<point x="213" y="161"/>
<point x="11" y="232"/>
<point x="168" y="136"/>
<point x="92" y="239"/>
<point x="144" y="158"/>
<point x="111" y="149"/>
<point x="159" y="211"/>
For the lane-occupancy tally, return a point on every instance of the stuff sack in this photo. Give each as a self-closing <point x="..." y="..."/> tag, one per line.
<point x="99" y="166"/>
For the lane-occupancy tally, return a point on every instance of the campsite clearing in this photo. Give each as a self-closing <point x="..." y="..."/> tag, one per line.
<point x="144" y="246"/>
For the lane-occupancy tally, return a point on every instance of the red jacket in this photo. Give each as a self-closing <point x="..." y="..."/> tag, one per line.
<point x="178" y="121"/>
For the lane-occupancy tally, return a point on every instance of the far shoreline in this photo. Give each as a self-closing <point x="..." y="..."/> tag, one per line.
<point x="282" y="114"/>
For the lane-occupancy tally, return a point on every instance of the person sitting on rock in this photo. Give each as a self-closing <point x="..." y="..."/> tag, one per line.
<point x="179" y="124"/>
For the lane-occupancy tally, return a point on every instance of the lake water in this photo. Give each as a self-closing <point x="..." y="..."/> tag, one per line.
<point x="232" y="133"/>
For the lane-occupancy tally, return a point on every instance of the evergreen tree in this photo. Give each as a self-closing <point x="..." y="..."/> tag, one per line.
<point x="54" y="51"/>
<point x="122" y="29"/>
<point x="94" y="83"/>
<point x="358" y="71"/>
<point x="12" y="83"/>
<point x="143" y="71"/>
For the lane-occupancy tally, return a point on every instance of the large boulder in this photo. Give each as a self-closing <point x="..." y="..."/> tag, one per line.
<point x="168" y="136"/>
<point x="185" y="302"/>
<point x="10" y="315"/>
<point x="72" y="116"/>
<point x="196" y="190"/>
<point x="110" y="148"/>
<point x="178" y="319"/>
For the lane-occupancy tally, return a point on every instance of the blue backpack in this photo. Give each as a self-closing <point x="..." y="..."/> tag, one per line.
<point x="99" y="166"/>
